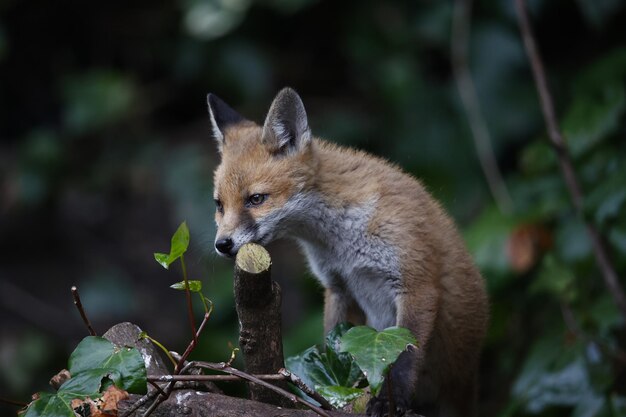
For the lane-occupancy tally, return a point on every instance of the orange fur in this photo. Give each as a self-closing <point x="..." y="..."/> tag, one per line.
<point x="440" y="296"/>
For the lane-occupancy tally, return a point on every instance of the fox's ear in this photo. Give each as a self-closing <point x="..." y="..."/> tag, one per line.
<point x="222" y="116"/>
<point x="286" y="129"/>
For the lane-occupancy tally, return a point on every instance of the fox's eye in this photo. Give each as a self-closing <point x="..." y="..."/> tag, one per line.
<point x="256" y="199"/>
<point x="218" y="206"/>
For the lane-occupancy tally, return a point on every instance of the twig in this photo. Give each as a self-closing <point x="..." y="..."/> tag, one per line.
<point x="13" y="402"/>
<point x="567" y="168"/>
<point x="219" y="378"/>
<point x="161" y="396"/>
<point x="295" y="379"/>
<point x="165" y="392"/>
<point x="79" y="306"/>
<point x="282" y="375"/>
<point x="223" y="367"/>
<point x="461" y="17"/>
<point x="140" y="402"/>
<point x="574" y="327"/>
<point x="156" y="386"/>
<point x="192" y="344"/>
<point x="192" y="320"/>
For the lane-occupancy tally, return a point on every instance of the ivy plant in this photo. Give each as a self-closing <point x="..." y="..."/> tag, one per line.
<point x="94" y="365"/>
<point x="353" y="358"/>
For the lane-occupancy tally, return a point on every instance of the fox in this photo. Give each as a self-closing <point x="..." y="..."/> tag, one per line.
<point x="381" y="246"/>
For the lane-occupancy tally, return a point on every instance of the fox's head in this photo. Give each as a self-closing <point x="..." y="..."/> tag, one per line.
<point x="261" y="169"/>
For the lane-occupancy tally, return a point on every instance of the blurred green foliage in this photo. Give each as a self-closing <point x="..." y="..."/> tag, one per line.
<point x="104" y="149"/>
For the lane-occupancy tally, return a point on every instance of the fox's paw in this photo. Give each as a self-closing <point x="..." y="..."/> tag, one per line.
<point x="379" y="407"/>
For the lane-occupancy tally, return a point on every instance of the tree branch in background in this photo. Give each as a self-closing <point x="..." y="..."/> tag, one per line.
<point x="81" y="310"/>
<point x="565" y="162"/>
<point x="461" y="16"/>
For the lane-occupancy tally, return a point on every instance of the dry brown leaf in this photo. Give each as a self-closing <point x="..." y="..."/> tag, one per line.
<point x="526" y="245"/>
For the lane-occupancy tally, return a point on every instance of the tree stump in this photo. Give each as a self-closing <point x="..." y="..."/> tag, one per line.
<point x="258" y="301"/>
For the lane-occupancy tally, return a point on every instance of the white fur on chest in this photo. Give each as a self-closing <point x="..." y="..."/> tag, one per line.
<point x="344" y="256"/>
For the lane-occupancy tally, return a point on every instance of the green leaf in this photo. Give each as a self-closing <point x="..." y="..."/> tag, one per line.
<point x="163" y="259"/>
<point x="194" y="286"/>
<point x="565" y="387"/>
<point x="572" y="240"/>
<point x="96" y="352"/>
<point x="538" y="157"/>
<point x="611" y="67"/>
<point x="316" y="368"/>
<point x="180" y="241"/>
<point x="375" y="351"/>
<point x="328" y="368"/>
<point x="589" y="405"/>
<point x="49" y="405"/>
<point x="556" y="374"/>
<point x="88" y="383"/>
<point x="339" y="396"/>
<point x="554" y="278"/>
<point x="593" y="116"/>
<point x="178" y="246"/>
<point x="82" y="385"/>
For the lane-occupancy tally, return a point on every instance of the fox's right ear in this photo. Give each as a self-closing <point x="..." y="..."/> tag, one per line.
<point x="222" y="116"/>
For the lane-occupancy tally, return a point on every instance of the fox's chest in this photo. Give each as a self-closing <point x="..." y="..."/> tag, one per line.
<point x="345" y="256"/>
<point x="364" y="269"/>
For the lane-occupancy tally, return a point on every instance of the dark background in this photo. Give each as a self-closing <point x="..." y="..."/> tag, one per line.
<point x="105" y="149"/>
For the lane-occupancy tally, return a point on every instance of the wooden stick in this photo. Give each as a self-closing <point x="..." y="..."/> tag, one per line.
<point x="286" y="395"/>
<point x="257" y="300"/>
<point x="79" y="306"/>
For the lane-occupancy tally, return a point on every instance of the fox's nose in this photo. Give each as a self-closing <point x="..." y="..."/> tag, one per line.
<point x="224" y="245"/>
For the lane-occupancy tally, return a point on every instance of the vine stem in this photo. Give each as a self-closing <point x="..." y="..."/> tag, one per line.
<point x="611" y="280"/>
<point x="192" y="321"/>
<point x="191" y="345"/>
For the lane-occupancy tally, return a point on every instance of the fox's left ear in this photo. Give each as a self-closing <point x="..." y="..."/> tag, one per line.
<point x="286" y="128"/>
<point x="222" y="116"/>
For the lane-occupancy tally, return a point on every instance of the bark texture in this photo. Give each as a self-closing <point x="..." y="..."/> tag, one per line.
<point x="258" y="301"/>
<point x="204" y="404"/>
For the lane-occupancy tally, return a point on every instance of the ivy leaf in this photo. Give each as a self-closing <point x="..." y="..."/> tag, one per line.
<point x="339" y="396"/>
<point x="328" y="368"/>
<point x="592" y="117"/>
<point x="375" y="351"/>
<point x="178" y="246"/>
<point x="554" y="278"/>
<point x="87" y="383"/>
<point x="82" y="385"/>
<point x="163" y="259"/>
<point x="96" y="352"/>
<point x="49" y="405"/>
<point x="194" y="286"/>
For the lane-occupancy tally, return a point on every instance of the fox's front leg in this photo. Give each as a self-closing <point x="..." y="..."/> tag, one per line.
<point x="416" y="311"/>
<point x="340" y="307"/>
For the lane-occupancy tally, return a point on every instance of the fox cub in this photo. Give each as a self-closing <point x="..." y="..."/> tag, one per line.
<point x="380" y="245"/>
